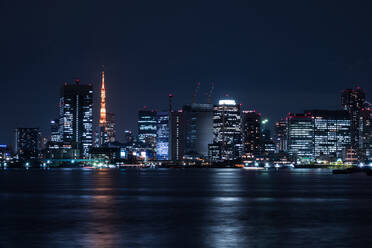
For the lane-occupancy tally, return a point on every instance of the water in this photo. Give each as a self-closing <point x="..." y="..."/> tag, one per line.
<point x="184" y="208"/>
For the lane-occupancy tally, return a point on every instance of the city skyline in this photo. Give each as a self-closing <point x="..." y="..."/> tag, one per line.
<point x="310" y="58"/>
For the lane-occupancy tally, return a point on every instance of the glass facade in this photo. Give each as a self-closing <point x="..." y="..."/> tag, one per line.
<point x="227" y="129"/>
<point x="76" y="116"/>
<point x="147" y="124"/>
<point x="162" y="136"/>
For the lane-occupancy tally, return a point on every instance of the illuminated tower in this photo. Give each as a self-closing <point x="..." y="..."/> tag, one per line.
<point x="102" y="118"/>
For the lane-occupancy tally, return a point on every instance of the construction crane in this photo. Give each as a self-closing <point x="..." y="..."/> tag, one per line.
<point x="210" y="93"/>
<point x="195" y="93"/>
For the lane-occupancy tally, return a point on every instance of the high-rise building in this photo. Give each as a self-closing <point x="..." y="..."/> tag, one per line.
<point x="110" y="128"/>
<point x="332" y="133"/>
<point x="301" y="136"/>
<point x="354" y="102"/>
<point x="251" y="132"/>
<point x="176" y="136"/>
<point x="27" y="142"/>
<point x="162" y="136"/>
<point x="281" y="135"/>
<point x="227" y="129"/>
<point x="76" y="116"/>
<point x="198" y="120"/>
<point x="147" y="123"/>
<point x="319" y="134"/>
<point x="54" y="131"/>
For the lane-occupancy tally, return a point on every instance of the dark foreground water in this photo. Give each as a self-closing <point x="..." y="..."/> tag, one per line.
<point x="184" y="208"/>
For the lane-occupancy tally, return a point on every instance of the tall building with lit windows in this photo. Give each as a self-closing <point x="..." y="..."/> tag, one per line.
<point x="301" y="136"/>
<point x="227" y="131"/>
<point x="332" y="133"/>
<point x="354" y="102"/>
<point x="162" y="136"/>
<point x="176" y="135"/>
<point x="281" y="136"/>
<point x="251" y="125"/>
<point x="76" y="116"/>
<point x="319" y="134"/>
<point x="147" y="123"/>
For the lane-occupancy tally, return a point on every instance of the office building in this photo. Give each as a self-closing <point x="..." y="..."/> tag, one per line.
<point x="281" y="135"/>
<point x="227" y="129"/>
<point x="147" y="126"/>
<point x="162" y="136"/>
<point x="176" y="135"/>
<point x="76" y="116"/>
<point x="301" y="136"/>
<point x="251" y="132"/>
<point x="354" y="102"/>
<point x="198" y="119"/>
<point x="28" y="143"/>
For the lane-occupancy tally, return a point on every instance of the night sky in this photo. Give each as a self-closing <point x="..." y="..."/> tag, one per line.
<point x="272" y="56"/>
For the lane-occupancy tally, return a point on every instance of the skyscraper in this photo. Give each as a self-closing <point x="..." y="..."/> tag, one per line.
<point x="27" y="142"/>
<point x="76" y="116"/>
<point x="281" y="135"/>
<point x="332" y="133"/>
<point x="227" y="129"/>
<point x="198" y="120"/>
<point x="319" y="134"/>
<point x="147" y="123"/>
<point x="177" y="135"/>
<point x="54" y="133"/>
<point x="251" y="132"/>
<point x="162" y="136"/>
<point x="354" y="102"/>
<point x="301" y="136"/>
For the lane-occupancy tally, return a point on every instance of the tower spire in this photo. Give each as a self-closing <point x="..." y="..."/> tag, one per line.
<point x="102" y="118"/>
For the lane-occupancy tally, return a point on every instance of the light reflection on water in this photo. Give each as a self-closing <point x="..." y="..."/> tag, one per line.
<point x="184" y="208"/>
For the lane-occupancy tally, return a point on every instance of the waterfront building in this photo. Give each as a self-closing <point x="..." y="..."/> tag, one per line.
<point x="162" y="136"/>
<point x="251" y="132"/>
<point x="147" y="126"/>
<point x="198" y="120"/>
<point x="176" y="136"/>
<point x="227" y="129"/>
<point x="332" y="133"/>
<point x="76" y="116"/>
<point x="54" y="131"/>
<point x="301" y="136"/>
<point x="27" y="143"/>
<point x="354" y="102"/>
<point x="319" y="135"/>
<point x="281" y="135"/>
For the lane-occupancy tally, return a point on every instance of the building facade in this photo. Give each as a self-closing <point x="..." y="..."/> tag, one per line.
<point x="147" y="126"/>
<point x="251" y="132"/>
<point x="76" y="116"/>
<point x="162" y="136"/>
<point x="176" y="136"/>
<point x="198" y="119"/>
<point x="28" y="143"/>
<point x="227" y="129"/>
